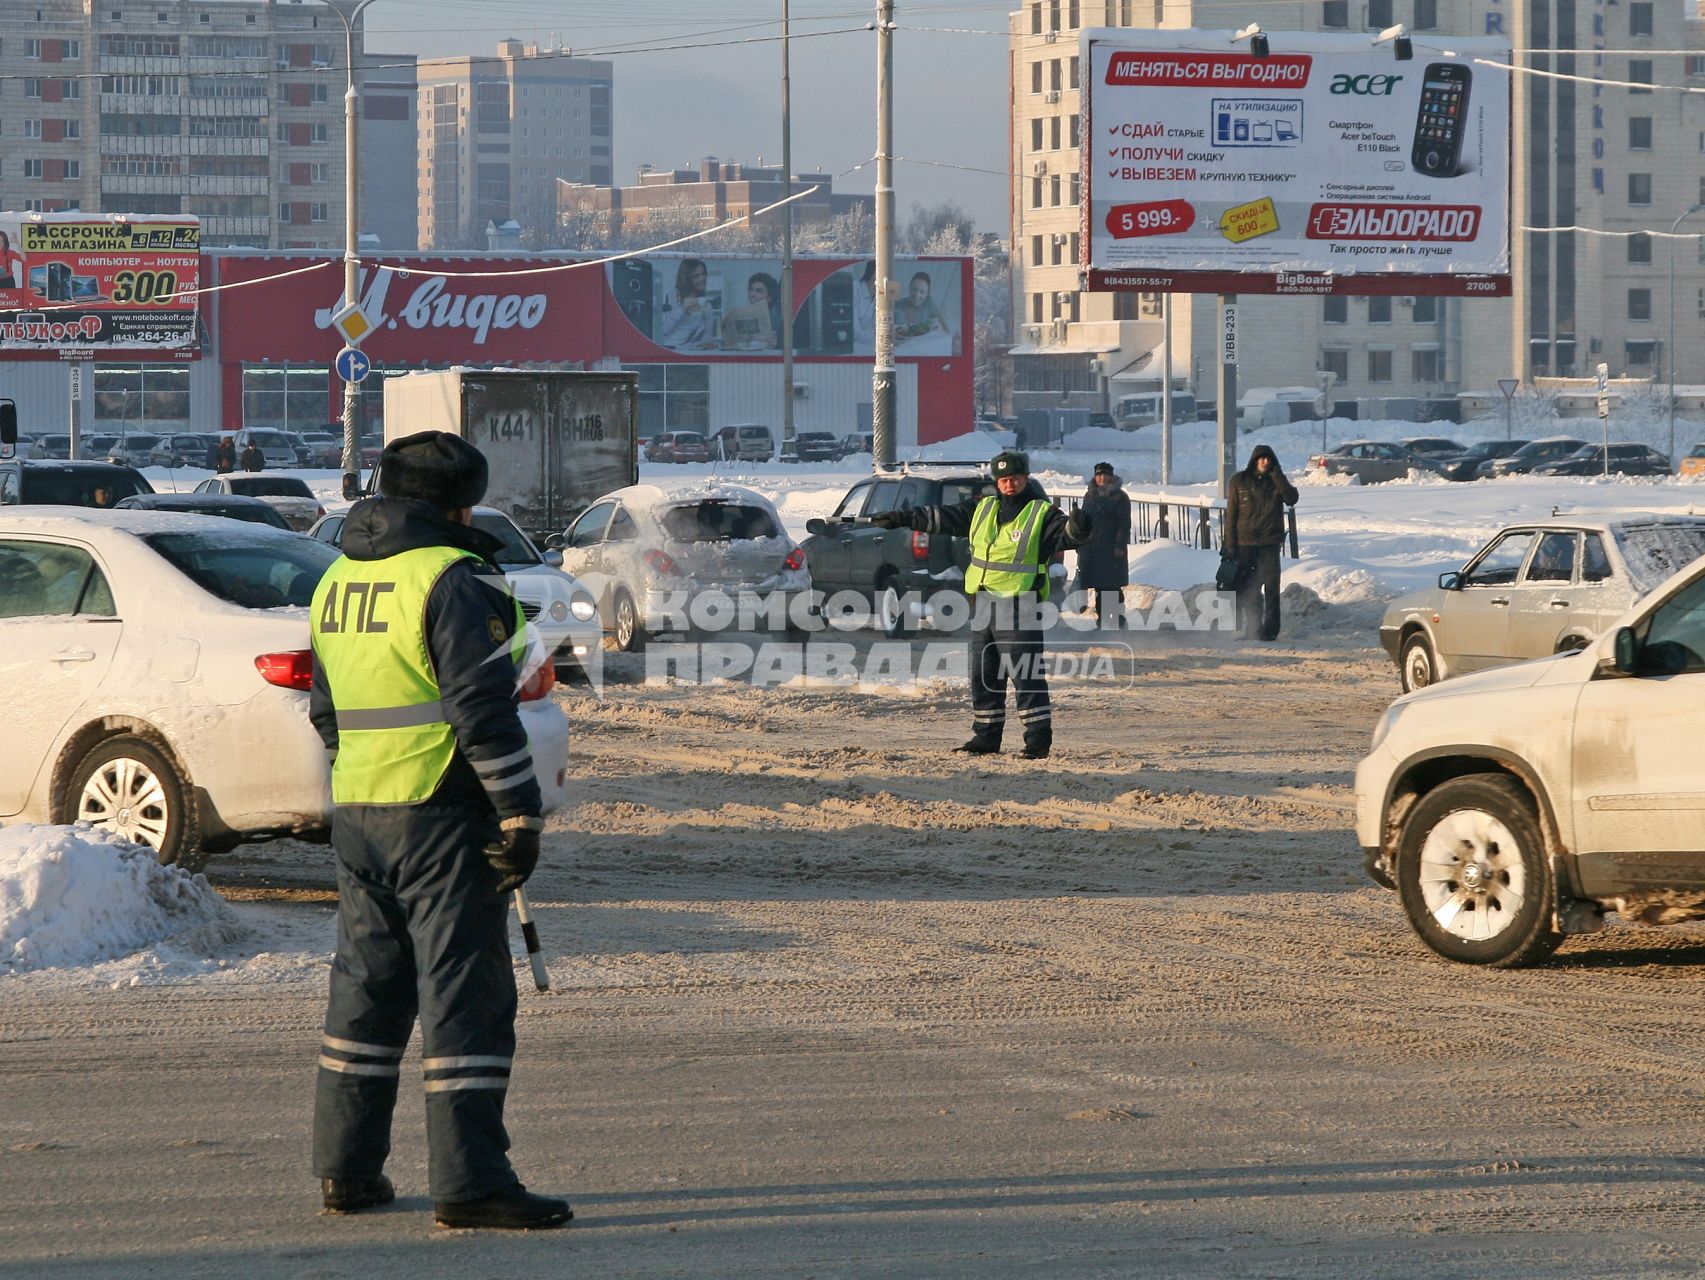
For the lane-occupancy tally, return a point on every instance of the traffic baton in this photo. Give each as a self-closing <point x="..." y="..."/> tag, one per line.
<point x="530" y="935"/>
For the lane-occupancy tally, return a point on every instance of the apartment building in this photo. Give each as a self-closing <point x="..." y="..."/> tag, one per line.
<point x="713" y="193"/>
<point x="1622" y="160"/>
<point x="497" y="133"/>
<point x="390" y="205"/>
<point x="228" y="109"/>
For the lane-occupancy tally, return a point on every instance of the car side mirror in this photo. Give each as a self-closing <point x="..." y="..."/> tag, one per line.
<point x="817" y="526"/>
<point x="1625" y="655"/>
<point x="8" y="422"/>
<point x="553" y="557"/>
<point x="1451" y="581"/>
<point x="556" y="542"/>
<point x="351" y="486"/>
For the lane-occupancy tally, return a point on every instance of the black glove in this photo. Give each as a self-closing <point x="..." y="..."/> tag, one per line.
<point x="515" y="858"/>
<point x="1078" y="525"/>
<point x="892" y="520"/>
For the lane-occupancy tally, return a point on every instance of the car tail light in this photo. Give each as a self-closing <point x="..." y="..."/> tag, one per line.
<point x="539" y="684"/>
<point x="661" y="562"/>
<point x="293" y="670"/>
<point x="1318" y="460"/>
<point x="920" y="545"/>
<point x="795" y="559"/>
<point x="319" y="510"/>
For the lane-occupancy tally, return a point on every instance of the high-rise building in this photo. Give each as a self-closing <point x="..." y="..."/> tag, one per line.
<point x="1618" y="160"/>
<point x="390" y="204"/>
<point x="711" y="194"/>
<point x="228" y="109"/>
<point x="497" y="133"/>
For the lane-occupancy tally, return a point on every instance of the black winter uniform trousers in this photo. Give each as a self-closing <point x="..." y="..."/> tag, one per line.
<point x="1003" y="650"/>
<point x="1258" y="597"/>
<point x="421" y="929"/>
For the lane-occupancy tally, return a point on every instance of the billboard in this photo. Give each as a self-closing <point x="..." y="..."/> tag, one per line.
<point x="732" y="306"/>
<point x="87" y="284"/>
<point x="1326" y="166"/>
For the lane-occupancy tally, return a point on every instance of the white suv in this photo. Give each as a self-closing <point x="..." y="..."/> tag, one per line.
<point x="1514" y="806"/>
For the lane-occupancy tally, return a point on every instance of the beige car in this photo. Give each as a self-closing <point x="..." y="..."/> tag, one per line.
<point x="1513" y="807"/>
<point x="1546" y="587"/>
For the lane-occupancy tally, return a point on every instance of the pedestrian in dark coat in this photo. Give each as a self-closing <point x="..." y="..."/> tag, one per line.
<point x="253" y="458"/>
<point x="1254" y="530"/>
<point x="223" y="459"/>
<point x="1103" y="563"/>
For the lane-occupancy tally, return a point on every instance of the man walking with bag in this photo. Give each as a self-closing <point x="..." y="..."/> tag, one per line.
<point x="417" y="642"/>
<point x="1254" y="531"/>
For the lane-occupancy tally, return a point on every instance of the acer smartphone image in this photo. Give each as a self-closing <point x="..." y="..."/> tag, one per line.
<point x="631" y="279"/>
<point x="837" y="304"/>
<point x="1441" y="119"/>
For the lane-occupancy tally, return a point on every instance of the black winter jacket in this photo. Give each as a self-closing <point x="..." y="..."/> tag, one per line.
<point x="1255" y="505"/>
<point x="955" y="521"/>
<point x="467" y="610"/>
<point x="1102" y="560"/>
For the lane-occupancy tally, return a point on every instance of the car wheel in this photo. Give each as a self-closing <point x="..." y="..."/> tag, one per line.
<point x="892" y="616"/>
<point x="630" y="635"/>
<point x="130" y="787"/>
<point x="1473" y="873"/>
<point x="1417" y="668"/>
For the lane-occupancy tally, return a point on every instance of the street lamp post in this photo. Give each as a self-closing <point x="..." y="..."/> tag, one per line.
<point x="1669" y="353"/>
<point x="350" y="12"/>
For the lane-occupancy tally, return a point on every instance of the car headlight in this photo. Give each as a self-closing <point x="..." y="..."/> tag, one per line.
<point x="583" y="607"/>
<point x="1383" y="728"/>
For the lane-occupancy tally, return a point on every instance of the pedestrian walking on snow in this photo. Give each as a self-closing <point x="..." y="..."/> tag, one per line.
<point x="1254" y="530"/>
<point x="1103" y="563"/>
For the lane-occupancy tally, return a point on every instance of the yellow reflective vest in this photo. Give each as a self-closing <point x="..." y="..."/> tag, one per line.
<point x="369" y="633"/>
<point x="1006" y="560"/>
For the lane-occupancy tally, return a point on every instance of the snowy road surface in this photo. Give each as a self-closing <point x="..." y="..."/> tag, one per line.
<point x="830" y="1002"/>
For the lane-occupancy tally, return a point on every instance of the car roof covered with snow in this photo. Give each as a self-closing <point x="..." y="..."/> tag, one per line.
<point x="649" y="497"/>
<point x="71" y="521"/>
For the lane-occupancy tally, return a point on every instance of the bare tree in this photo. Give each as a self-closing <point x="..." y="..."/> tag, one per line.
<point x="925" y="224"/>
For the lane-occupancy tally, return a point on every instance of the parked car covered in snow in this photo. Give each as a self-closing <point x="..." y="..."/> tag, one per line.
<point x="159" y="673"/>
<point x="1370" y="461"/>
<point x="1534" y="452"/>
<point x="1626" y="459"/>
<point x="290" y="494"/>
<point x="677" y="446"/>
<point x="1539" y="588"/>
<point x="1474" y="462"/>
<point x="647" y="551"/>
<point x="228" y="505"/>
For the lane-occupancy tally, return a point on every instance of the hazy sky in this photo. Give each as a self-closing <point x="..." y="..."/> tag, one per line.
<point x="675" y="106"/>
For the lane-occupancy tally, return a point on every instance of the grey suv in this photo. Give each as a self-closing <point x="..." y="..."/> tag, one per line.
<point x="846" y="553"/>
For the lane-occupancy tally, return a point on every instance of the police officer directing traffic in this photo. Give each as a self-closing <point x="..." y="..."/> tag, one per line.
<point x="1014" y="533"/>
<point x="417" y="643"/>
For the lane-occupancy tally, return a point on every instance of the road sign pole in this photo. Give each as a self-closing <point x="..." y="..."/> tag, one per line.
<point x="1228" y="390"/>
<point x="1604" y="412"/>
<point x="1508" y="387"/>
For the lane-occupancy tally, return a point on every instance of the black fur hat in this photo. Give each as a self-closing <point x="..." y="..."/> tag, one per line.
<point x="1009" y="462"/>
<point x="435" y="467"/>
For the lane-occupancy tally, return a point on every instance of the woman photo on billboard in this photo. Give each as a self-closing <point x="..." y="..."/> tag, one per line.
<point x="689" y="319"/>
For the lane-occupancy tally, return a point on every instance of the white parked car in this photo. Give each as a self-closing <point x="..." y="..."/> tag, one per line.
<point x="1515" y="806"/>
<point x="648" y="551"/>
<point x="289" y="495"/>
<point x="1542" y="587"/>
<point x="559" y="606"/>
<point x="158" y="668"/>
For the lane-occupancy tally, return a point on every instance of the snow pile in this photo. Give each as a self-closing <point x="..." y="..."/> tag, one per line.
<point x="1333" y="581"/>
<point x="74" y="896"/>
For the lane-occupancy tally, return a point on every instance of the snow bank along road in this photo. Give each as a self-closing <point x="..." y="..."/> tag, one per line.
<point x="830" y="1002"/>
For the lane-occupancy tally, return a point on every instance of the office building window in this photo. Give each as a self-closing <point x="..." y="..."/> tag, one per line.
<point x="1076" y="190"/>
<point x="1379" y="14"/>
<point x="1035" y="308"/>
<point x="1072" y="79"/>
<point x="1035" y="77"/>
<point x="131" y="397"/>
<point x="1074" y="134"/>
<point x="1035" y="251"/>
<point x="1055" y="240"/>
<point x="1335" y="13"/>
<point x="1054" y="75"/>
<point x="1640" y="71"/>
<point x="1072" y="14"/>
<point x="1036" y="134"/>
<point x="1053" y="15"/>
<point x="1054" y="134"/>
<point x="1379" y="364"/>
<point x="1639" y="188"/>
<point x="1335" y="309"/>
<point x="1054" y="189"/>
<point x="1336" y="360"/>
<point x="1639" y="304"/>
<point x="1425" y="311"/>
<point x="1379" y="310"/>
<point x="1426" y="364"/>
<point x="1035" y="193"/>
<point x="1036" y="18"/>
<point x="1640" y="18"/>
<point x="1639" y="249"/>
<point x="1639" y="133"/>
<point x="1640" y="353"/>
<point x="1702" y="304"/>
<point x="1426" y="14"/>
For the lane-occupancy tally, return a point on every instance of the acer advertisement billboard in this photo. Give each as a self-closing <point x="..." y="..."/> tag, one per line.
<point x="1326" y="166"/>
<point x="82" y="285"/>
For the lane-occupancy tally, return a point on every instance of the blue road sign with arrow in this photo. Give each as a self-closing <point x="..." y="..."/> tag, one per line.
<point x="352" y="366"/>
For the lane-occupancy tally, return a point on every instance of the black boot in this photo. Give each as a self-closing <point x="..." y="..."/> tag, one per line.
<point x="1037" y="748"/>
<point x="980" y="746"/>
<point x="352" y="1195"/>
<point x="516" y="1209"/>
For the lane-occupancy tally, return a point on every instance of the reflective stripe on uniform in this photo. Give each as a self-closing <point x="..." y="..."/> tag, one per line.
<point x="466" y="1060"/>
<point x="421" y="713"/>
<point x="361" y="1068"/>
<point x="459" y="1083"/>
<point x="502" y="762"/>
<point x="989" y="536"/>
<point x="361" y="1048"/>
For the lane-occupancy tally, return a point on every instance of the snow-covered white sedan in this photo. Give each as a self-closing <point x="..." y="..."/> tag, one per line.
<point x="290" y="495"/>
<point x="157" y="669"/>
<point x="657" y="554"/>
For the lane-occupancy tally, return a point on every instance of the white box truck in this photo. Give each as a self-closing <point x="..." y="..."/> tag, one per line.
<point x="556" y="442"/>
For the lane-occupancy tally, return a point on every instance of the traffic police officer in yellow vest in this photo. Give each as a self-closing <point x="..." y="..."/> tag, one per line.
<point x="417" y="647"/>
<point x="1014" y="533"/>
